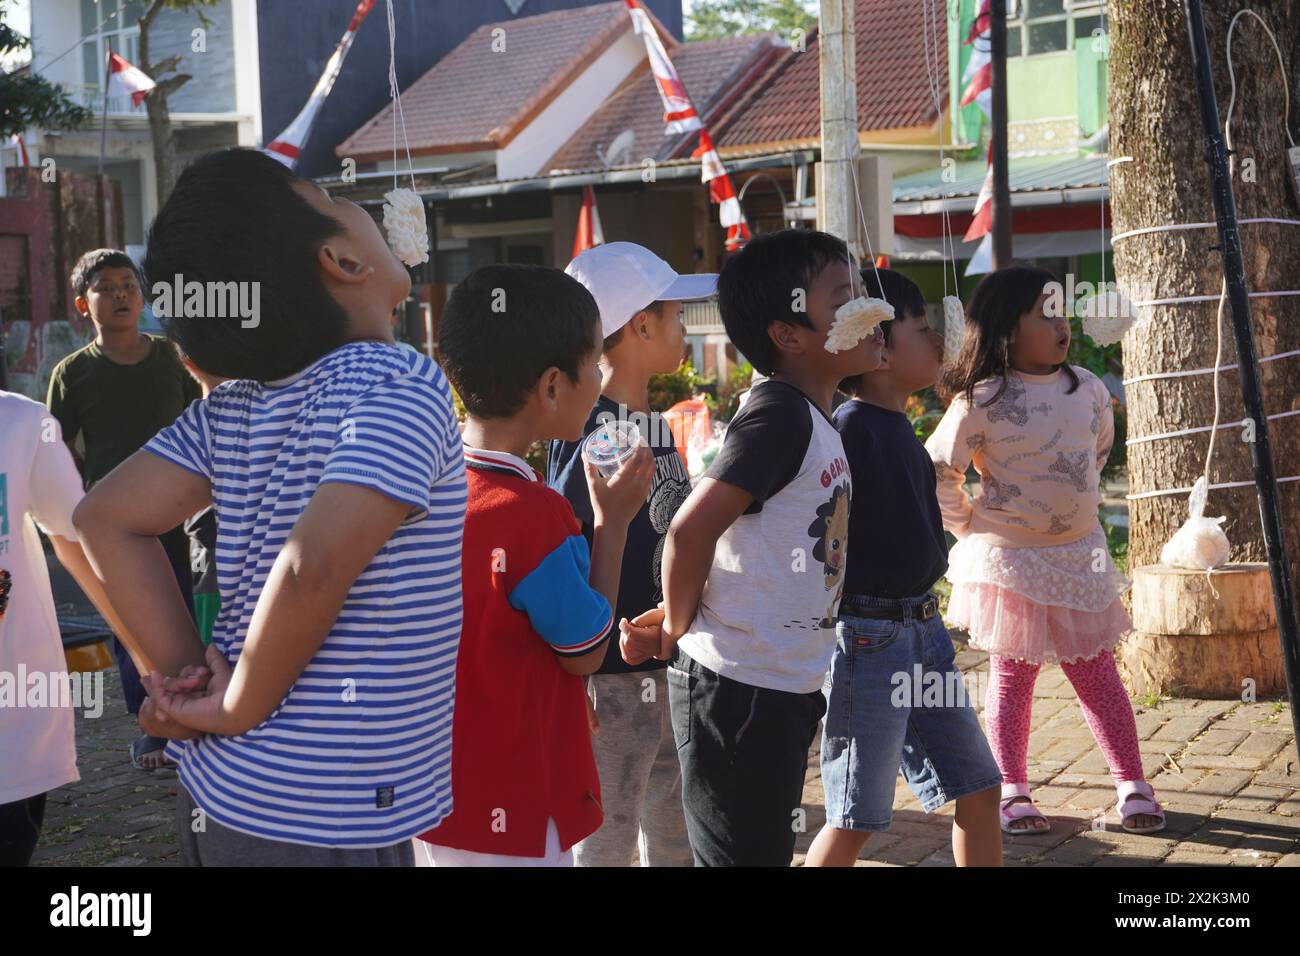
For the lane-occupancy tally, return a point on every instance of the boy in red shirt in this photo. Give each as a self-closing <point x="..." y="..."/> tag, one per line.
<point x="520" y="345"/>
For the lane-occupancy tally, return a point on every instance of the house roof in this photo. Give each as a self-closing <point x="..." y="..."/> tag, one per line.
<point x="477" y="99"/>
<point x="711" y="71"/>
<point x="1029" y="174"/>
<point x="893" y="83"/>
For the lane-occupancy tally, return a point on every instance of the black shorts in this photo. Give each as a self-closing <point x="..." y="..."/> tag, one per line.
<point x="744" y="753"/>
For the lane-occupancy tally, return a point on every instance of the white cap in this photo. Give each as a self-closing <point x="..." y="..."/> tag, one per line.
<point x="624" y="278"/>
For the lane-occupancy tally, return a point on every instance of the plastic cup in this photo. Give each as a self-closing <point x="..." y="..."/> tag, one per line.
<point x="611" y="444"/>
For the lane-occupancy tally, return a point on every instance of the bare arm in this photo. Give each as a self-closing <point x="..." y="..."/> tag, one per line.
<point x="73" y="558"/>
<point x="712" y="508"/>
<point x="336" y="537"/>
<point x="118" y="523"/>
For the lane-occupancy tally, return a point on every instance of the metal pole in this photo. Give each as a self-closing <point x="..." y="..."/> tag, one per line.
<point x="1001" y="174"/>
<point x="103" y="118"/>
<point x="1225" y="212"/>
<point x="836" y="200"/>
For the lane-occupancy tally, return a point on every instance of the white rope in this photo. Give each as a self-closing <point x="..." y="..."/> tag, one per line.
<point x="1178" y="226"/>
<point x="1186" y="491"/>
<point x="1223" y="294"/>
<point x="948" y="248"/>
<point x="397" y="100"/>
<point x="1180" y="299"/>
<point x="1204" y="428"/>
<point x="1117" y="160"/>
<point x="1157" y="376"/>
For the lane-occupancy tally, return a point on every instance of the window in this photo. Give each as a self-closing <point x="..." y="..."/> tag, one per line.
<point x="120" y="34"/>
<point x="1049" y="26"/>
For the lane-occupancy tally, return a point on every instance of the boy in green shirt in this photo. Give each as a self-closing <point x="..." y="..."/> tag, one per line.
<point x="112" y="396"/>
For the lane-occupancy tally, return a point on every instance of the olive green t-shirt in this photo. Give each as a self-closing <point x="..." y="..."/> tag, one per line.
<point x="116" y="408"/>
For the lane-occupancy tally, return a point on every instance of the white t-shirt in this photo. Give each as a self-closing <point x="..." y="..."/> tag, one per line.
<point x="767" y="614"/>
<point x="38" y="483"/>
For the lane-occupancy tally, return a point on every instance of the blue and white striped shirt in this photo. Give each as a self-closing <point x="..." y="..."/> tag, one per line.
<point x="359" y="752"/>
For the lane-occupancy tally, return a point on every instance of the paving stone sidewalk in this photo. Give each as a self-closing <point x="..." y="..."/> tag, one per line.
<point x="1226" y="772"/>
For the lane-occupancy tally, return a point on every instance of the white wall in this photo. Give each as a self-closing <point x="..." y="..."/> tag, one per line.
<point x="56" y="25"/>
<point x="552" y="128"/>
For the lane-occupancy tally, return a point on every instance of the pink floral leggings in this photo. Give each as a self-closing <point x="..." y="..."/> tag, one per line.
<point x="1102" y="696"/>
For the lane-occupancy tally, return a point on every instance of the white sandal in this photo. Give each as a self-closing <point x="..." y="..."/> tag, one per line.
<point x="1008" y="812"/>
<point x="1138" y="798"/>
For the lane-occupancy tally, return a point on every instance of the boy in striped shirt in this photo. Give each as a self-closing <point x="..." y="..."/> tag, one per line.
<point x="317" y="728"/>
<point x="520" y="345"/>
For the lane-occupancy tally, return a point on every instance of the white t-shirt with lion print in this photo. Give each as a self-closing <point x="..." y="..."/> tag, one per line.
<point x="767" y="614"/>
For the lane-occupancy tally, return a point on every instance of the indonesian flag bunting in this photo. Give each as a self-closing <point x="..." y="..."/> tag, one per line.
<point x="127" y="80"/>
<point x="721" y="192"/>
<point x="16" y="141"/>
<point x="679" y="114"/>
<point x="982" y="224"/>
<point x="288" y="145"/>
<point x="589" y="233"/>
<point x="978" y="76"/>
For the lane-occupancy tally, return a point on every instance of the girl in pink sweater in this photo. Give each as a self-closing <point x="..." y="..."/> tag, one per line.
<point x="1033" y="581"/>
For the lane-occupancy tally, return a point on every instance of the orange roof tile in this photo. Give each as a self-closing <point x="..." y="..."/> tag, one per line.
<point x="893" y="86"/>
<point x="474" y="98"/>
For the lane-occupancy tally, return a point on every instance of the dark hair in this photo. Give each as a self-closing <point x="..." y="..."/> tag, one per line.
<point x="899" y="291"/>
<point x="616" y="336"/>
<point x="1000" y="299"/>
<point x="507" y="324"/>
<point x="756" y="287"/>
<point x="235" y="217"/>
<point x="95" y="262"/>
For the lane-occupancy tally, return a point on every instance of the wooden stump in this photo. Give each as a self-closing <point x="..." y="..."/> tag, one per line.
<point x="1189" y="643"/>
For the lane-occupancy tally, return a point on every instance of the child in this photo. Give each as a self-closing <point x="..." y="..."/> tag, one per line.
<point x="112" y="396"/>
<point x="889" y="622"/>
<point x="754" y="560"/>
<point x="1032" y="577"/>
<point x="39" y="485"/>
<point x="323" y="735"/>
<point x="520" y="345"/>
<point x="634" y="747"/>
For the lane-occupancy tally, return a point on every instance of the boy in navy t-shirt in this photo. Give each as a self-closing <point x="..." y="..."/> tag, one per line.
<point x="639" y="296"/>
<point x="889" y="625"/>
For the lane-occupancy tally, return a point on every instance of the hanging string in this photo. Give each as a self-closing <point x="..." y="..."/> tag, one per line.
<point x="397" y="99"/>
<point x="929" y="28"/>
<point x="1158" y="376"/>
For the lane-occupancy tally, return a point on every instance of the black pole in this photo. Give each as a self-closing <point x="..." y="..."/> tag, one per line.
<point x="998" y="146"/>
<point x="1225" y="212"/>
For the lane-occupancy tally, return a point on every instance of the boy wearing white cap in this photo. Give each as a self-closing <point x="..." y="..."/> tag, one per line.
<point x="640" y="298"/>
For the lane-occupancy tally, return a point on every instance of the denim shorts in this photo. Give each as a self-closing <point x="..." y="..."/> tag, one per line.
<point x="896" y="702"/>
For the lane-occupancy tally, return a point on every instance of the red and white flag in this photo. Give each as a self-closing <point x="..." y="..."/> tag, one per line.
<point x="715" y="174"/>
<point x="983" y="221"/>
<point x="589" y="233"/>
<point x="20" y="147"/>
<point x="679" y="114"/>
<point x="982" y="225"/>
<point x="978" y="78"/>
<point x="288" y="145"/>
<point x="127" y="80"/>
<point x="680" y="117"/>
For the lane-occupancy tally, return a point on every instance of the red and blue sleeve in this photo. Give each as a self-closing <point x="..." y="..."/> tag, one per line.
<point x="561" y="605"/>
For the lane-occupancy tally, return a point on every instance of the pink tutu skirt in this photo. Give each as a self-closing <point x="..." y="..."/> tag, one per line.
<point x="1042" y="605"/>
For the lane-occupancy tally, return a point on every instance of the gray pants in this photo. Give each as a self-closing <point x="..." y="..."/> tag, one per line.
<point x="640" y="778"/>
<point x="217" y="845"/>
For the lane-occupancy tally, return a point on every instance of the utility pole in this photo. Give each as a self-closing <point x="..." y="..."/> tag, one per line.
<point x="1001" y="172"/>
<point x="836" y="193"/>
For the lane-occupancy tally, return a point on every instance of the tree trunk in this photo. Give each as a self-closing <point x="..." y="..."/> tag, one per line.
<point x="1154" y="119"/>
<point x="160" y="123"/>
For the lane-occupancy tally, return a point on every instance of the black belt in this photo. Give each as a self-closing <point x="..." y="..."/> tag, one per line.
<point x="921" y="612"/>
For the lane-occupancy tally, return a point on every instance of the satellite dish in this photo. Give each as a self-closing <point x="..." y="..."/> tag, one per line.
<point x="618" y="149"/>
